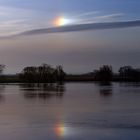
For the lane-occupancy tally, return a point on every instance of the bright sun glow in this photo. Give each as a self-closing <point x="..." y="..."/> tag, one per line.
<point x="61" y="21"/>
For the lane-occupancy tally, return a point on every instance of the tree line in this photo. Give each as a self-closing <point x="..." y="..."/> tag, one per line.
<point x="39" y="74"/>
<point x="47" y="74"/>
<point x="42" y="74"/>
<point x="125" y="73"/>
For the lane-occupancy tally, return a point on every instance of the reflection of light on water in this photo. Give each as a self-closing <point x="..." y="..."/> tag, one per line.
<point x="61" y="130"/>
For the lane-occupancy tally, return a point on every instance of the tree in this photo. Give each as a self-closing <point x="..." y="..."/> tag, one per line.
<point x="125" y="71"/>
<point x="42" y="74"/>
<point x="129" y="73"/>
<point x="105" y="73"/>
<point x="1" y="68"/>
<point x="29" y="74"/>
<point x="60" y="74"/>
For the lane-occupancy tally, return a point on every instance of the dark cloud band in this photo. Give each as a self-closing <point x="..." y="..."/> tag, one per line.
<point x="81" y="27"/>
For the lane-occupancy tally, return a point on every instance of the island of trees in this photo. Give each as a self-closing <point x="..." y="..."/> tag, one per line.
<point x="48" y="74"/>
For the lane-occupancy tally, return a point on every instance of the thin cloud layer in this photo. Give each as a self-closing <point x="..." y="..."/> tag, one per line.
<point x="80" y="27"/>
<point x="83" y="27"/>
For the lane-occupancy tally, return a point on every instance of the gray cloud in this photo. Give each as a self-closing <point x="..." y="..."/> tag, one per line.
<point x="80" y="27"/>
<point x="86" y="14"/>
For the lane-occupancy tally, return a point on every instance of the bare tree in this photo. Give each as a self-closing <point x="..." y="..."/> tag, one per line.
<point x="1" y="68"/>
<point x="43" y="74"/>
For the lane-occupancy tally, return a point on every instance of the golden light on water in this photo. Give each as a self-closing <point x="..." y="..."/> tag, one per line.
<point x="60" y="130"/>
<point x="63" y="131"/>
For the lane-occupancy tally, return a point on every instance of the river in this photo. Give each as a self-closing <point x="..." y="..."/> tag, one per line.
<point x="70" y="111"/>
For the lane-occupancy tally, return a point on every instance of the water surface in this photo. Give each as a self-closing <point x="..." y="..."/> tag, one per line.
<point x="72" y="111"/>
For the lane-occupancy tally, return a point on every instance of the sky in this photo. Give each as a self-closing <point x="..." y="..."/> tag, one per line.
<point x="80" y="35"/>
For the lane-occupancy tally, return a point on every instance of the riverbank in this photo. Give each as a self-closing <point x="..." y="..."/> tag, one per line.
<point x="68" y="78"/>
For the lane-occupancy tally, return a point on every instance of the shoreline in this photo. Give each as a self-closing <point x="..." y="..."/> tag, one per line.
<point x="69" y="78"/>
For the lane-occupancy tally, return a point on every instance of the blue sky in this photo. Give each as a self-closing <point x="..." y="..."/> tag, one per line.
<point x="126" y="6"/>
<point x="30" y="14"/>
<point x="76" y="51"/>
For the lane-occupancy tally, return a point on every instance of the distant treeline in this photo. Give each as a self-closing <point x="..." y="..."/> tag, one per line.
<point x="42" y="74"/>
<point x="125" y="73"/>
<point x="105" y="74"/>
<point x="48" y="74"/>
<point x="36" y="74"/>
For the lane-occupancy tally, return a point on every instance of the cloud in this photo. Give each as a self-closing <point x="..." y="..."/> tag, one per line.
<point x="111" y="16"/>
<point x="79" y="27"/>
<point x="86" y="14"/>
<point x="108" y="17"/>
<point x="83" y="27"/>
<point x="103" y="18"/>
<point x="10" y="27"/>
<point x="14" y="20"/>
<point x="14" y="13"/>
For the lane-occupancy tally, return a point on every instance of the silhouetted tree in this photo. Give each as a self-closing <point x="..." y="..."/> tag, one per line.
<point x="105" y="73"/>
<point x="129" y="73"/>
<point x="42" y="74"/>
<point x="2" y="77"/>
<point x="29" y="74"/>
<point x="60" y="74"/>
<point x="1" y="68"/>
<point x="46" y="73"/>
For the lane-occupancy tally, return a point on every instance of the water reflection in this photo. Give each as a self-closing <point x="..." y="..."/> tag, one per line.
<point x="103" y="111"/>
<point x="106" y="92"/>
<point x="42" y="91"/>
<point x="105" y="89"/>
<point x="60" y="130"/>
<point x="130" y="87"/>
<point x="130" y="84"/>
<point x="2" y="88"/>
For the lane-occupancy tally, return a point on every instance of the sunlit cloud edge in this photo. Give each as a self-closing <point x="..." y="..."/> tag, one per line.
<point x="77" y="28"/>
